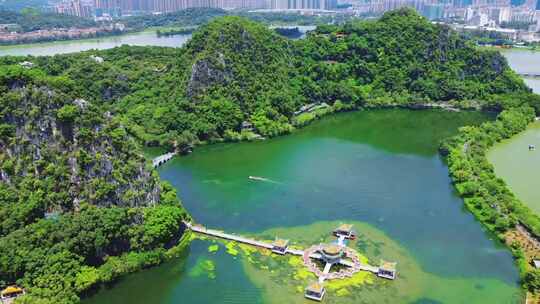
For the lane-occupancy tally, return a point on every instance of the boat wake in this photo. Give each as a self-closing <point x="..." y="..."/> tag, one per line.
<point x="263" y="179"/>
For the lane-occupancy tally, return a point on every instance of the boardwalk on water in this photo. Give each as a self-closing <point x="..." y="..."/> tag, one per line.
<point x="330" y="254"/>
<point x="240" y="239"/>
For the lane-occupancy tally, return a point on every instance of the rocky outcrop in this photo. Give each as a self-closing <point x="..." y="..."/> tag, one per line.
<point x="73" y="153"/>
<point x="205" y="73"/>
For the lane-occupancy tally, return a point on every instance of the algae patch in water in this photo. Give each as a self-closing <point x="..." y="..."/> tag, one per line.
<point x="203" y="267"/>
<point x="282" y="279"/>
<point x="213" y="248"/>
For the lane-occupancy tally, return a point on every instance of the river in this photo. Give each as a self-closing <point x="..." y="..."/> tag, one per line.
<point x="145" y="38"/>
<point x="377" y="169"/>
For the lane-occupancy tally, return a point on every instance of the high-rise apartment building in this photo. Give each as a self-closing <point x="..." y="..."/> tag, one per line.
<point x="165" y="6"/>
<point x="74" y="8"/>
<point x="303" y="4"/>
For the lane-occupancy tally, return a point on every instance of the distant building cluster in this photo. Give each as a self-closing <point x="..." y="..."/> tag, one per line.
<point x="302" y="4"/>
<point x="116" y="8"/>
<point x="500" y="15"/>
<point x="476" y="12"/>
<point x="164" y="6"/>
<point x="75" y="8"/>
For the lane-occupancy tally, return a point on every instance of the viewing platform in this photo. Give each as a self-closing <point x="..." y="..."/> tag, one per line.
<point x="160" y="160"/>
<point x="330" y="254"/>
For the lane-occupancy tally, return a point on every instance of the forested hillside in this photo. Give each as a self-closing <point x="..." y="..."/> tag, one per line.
<point x="401" y="58"/>
<point x="235" y="70"/>
<point x="75" y="192"/>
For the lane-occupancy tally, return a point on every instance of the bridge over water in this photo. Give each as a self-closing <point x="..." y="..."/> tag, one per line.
<point x="160" y="160"/>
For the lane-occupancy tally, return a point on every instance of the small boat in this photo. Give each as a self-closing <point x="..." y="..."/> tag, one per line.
<point x="531" y="147"/>
<point x="257" y="178"/>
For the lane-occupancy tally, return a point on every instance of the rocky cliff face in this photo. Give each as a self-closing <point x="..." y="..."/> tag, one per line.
<point x="205" y="73"/>
<point x="60" y="151"/>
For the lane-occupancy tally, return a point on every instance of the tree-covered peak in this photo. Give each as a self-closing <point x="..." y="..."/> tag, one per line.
<point x="404" y="52"/>
<point x="233" y="33"/>
<point x="240" y="62"/>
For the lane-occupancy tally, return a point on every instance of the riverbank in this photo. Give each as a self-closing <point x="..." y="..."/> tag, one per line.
<point x="43" y="36"/>
<point x="146" y="37"/>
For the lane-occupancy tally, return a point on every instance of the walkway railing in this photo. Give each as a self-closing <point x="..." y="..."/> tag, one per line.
<point x="160" y="160"/>
<point x="240" y="239"/>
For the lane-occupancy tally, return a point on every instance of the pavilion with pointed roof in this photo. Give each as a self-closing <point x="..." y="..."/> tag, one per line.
<point x="315" y="291"/>
<point x="387" y="270"/>
<point x="280" y="246"/>
<point x="346" y="231"/>
<point x="11" y="292"/>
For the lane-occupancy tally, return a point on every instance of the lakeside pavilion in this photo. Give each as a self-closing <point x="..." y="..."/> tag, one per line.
<point x="346" y="231"/>
<point x="10" y="293"/>
<point x="332" y="253"/>
<point x="315" y="291"/>
<point x="280" y="246"/>
<point x="387" y="270"/>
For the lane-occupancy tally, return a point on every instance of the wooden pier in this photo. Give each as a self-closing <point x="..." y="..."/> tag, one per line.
<point x="160" y="160"/>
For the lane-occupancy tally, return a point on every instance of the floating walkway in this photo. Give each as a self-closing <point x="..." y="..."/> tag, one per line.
<point x="231" y="237"/>
<point x="240" y="239"/>
<point x="330" y="254"/>
<point x="160" y="160"/>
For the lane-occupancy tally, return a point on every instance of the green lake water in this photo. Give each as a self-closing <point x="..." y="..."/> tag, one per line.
<point x="511" y="158"/>
<point x="377" y="169"/>
<point x="518" y="166"/>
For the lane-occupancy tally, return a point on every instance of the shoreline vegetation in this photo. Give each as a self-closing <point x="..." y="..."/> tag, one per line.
<point x="234" y="80"/>
<point x="489" y="198"/>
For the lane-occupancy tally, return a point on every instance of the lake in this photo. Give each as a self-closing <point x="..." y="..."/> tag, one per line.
<point x="379" y="170"/>
<point x="518" y="166"/>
